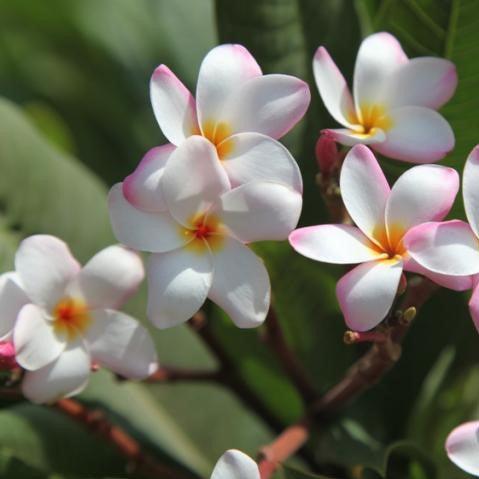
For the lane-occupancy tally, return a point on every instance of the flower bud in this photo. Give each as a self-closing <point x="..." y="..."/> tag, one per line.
<point x="327" y="155"/>
<point x="7" y="356"/>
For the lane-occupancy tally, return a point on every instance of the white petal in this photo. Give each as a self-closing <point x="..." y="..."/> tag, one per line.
<point x="378" y="57"/>
<point x="120" y="343"/>
<point x="470" y="182"/>
<point x="36" y="342"/>
<point x="173" y="105"/>
<point x="45" y="266"/>
<point x="350" y="137"/>
<point x="240" y="284"/>
<point x="259" y="211"/>
<point x="154" y="232"/>
<point x="109" y="278"/>
<point x="364" y="189"/>
<point x="417" y="135"/>
<point x="252" y="156"/>
<point x="333" y="88"/>
<point x="12" y="298"/>
<point x="66" y="376"/>
<point x="270" y="104"/>
<point x="423" y="193"/>
<point x="449" y="248"/>
<point x="367" y="293"/>
<point x="193" y="179"/>
<point x="462" y="446"/>
<point x="178" y="284"/>
<point x="341" y="244"/>
<point x="143" y="187"/>
<point x="234" y="464"/>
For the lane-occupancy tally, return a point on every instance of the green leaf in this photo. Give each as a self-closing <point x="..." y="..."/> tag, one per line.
<point x="291" y="473"/>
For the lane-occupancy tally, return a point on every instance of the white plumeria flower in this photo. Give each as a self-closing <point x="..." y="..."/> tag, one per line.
<point x="63" y="317"/>
<point x="383" y="217"/>
<point x="239" y="110"/>
<point x="462" y="446"/>
<point x="235" y="464"/>
<point x="394" y="103"/>
<point x="452" y="247"/>
<point x="199" y="242"/>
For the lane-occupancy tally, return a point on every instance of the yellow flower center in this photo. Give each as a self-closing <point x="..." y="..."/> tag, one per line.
<point x="374" y="116"/>
<point x="204" y="231"/>
<point x="390" y="241"/>
<point x="218" y="134"/>
<point x="71" y="317"/>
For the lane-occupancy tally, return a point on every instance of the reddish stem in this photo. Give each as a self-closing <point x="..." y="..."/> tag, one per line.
<point x="168" y="374"/>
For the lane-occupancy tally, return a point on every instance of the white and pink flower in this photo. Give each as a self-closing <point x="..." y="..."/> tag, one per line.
<point x="394" y="101"/>
<point x="462" y="447"/>
<point x="62" y="318"/>
<point x="239" y="110"/>
<point x="197" y="226"/>
<point x="235" y="464"/>
<point x="383" y="216"/>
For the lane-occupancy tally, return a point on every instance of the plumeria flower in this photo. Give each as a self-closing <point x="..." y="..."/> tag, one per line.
<point x="452" y="247"/>
<point x="63" y="318"/>
<point x="394" y="103"/>
<point x="383" y="217"/>
<point x="239" y="110"/>
<point x="462" y="446"/>
<point x="199" y="240"/>
<point x="235" y="464"/>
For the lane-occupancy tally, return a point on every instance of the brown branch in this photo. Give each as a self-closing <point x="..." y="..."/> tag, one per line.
<point x="138" y="461"/>
<point x="366" y="372"/>
<point x="168" y="374"/>
<point x="289" y="362"/>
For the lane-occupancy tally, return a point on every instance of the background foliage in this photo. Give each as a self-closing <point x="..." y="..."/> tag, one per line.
<point x="75" y="118"/>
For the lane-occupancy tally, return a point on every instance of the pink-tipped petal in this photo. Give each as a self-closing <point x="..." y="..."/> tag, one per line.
<point x="120" y="343"/>
<point x="333" y="88"/>
<point x="234" y="464"/>
<point x="35" y="340"/>
<point x="140" y="230"/>
<point x="340" y="244"/>
<point x="364" y="189"/>
<point x="423" y="193"/>
<point x="253" y="156"/>
<point x="173" y="105"/>
<point x="260" y="211"/>
<point x="224" y="69"/>
<point x="449" y="248"/>
<point x="193" y="179"/>
<point x="270" y="104"/>
<point x="417" y="135"/>
<point x="66" y="376"/>
<point x="367" y="293"/>
<point x="12" y="299"/>
<point x="178" y="285"/>
<point x="350" y="137"/>
<point x="109" y="278"/>
<point x="474" y="304"/>
<point x="462" y="447"/>
<point x="470" y="182"/>
<point x="378" y="57"/>
<point x="424" y="81"/>
<point x="143" y="187"/>
<point x="240" y="284"/>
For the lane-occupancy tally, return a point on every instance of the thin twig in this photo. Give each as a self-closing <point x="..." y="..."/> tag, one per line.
<point x="138" y="461"/>
<point x="168" y="374"/>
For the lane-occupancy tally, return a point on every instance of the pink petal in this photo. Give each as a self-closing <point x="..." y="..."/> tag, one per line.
<point x="240" y="284"/>
<point x="449" y="248"/>
<point x="173" y="105"/>
<point x="462" y="446"/>
<point x="341" y="244"/>
<point x="367" y="293"/>
<point x="364" y="190"/>
<point x="417" y="135"/>
<point x="142" y="188"/>
<point x="474" y="304"/>
<point x="333" y="88"/>
<point x="470" y="182"/>
<point x="224" y="69"/>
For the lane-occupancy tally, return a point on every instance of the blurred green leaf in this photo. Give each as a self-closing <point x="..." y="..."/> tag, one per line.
<point x="290" y="473"/>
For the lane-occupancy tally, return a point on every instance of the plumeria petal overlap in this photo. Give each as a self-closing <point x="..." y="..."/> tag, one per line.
<point x="395" y="99"/>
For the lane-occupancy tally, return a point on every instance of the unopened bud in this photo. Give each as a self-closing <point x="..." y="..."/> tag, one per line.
<point x="94" y="367"/>
<point x="7" y="356"/>
<point x="327" y="155"/>
<point x="408" y="315"/>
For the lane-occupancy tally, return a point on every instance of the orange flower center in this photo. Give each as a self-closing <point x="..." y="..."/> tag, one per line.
<point x="374" y="116"/>
<point x="218" y="134"/>
<point x="71" y="317"/>
<point x="390" y="241"/>
<point x="204" y="231"/>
